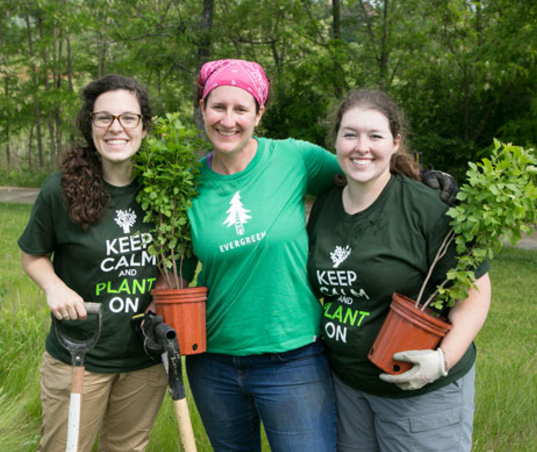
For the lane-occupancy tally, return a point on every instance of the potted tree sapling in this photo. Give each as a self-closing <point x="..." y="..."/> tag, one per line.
<point x="497" y="202"/>
<point x="167" y="169"/>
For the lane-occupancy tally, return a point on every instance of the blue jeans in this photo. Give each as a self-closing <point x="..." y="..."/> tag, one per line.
<point x="291" y="393"/>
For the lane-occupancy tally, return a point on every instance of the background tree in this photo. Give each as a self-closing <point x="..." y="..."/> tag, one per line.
<point x="464" y="70"/>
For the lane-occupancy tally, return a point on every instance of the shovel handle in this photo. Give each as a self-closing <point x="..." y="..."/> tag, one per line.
<point x="185" y="425"/>
<point x="78" y="348"/>
<point x="92" y="308"/>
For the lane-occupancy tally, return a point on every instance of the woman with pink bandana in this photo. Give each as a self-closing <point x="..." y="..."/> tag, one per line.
<point x="265" y="361"/>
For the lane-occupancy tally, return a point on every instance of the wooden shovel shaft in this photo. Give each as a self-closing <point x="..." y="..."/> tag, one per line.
<point x="73" y="422"/>
<point x="185" y="425"/>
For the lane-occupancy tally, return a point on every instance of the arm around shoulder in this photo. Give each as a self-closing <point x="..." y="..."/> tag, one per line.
<point x="321" y="166"/>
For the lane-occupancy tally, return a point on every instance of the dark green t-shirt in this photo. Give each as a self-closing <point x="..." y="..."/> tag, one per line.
<point x="357" y="261"/>
<point x="106" y="263"/>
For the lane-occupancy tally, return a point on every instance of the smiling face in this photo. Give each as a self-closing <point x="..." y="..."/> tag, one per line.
<point x="365" y="145"/>
<point x="115" y="144"/>
<point x="230" y="118"/>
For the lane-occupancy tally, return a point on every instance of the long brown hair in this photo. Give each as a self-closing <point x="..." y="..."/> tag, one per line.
<point x="81" y="170"/>
<point x="374" y="99"/>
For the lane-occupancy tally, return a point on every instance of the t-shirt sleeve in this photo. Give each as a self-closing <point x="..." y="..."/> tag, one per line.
<point x="39" y="236"/>
<point x="321" y="166"/>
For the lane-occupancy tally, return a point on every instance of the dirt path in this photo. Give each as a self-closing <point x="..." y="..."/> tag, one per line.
<point x="18" y="195"/>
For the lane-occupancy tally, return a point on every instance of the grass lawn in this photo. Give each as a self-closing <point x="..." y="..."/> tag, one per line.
<point x="506" y="388"/>
<point x="506" y="396"/>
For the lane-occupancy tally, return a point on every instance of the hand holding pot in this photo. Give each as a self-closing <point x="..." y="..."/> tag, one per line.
<point x="429" y="365"/>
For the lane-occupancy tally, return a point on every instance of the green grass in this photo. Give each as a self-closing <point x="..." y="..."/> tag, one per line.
<point x="506" y="387"/>
<point x="506" y="396"/>
<point x="22" y="329"/>
<point x="25" y="177"/>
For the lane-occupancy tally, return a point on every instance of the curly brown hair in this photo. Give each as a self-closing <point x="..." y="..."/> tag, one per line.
<point x="82" y="179"/>
<point x="373" y="99"/>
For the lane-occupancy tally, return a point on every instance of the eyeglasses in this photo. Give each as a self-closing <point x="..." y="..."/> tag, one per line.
<point x="126" y="120"/>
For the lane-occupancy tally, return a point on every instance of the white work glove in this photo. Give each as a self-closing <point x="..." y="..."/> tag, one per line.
<point x="429" y="365"/>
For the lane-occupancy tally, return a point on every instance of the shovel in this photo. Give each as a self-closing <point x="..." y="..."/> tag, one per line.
<point x="78" y="350"/>
<point x="171" y="359"/>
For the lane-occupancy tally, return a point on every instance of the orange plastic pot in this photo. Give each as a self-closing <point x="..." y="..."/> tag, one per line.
<point x="184" y="311"/>
<point x="405" y="328"/>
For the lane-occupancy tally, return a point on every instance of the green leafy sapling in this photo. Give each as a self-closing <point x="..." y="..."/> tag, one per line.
<point x="167" y="168"/>
<point x="498" y="201"/>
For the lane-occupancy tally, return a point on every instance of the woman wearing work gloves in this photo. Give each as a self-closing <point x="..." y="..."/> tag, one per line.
<point x="86" y="241"/>
<point x="378" y="235"/>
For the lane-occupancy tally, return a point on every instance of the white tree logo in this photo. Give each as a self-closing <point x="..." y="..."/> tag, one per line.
<point x="339" y="255"/>
<point x="125" y="219"/>
<point x="237" y="214"/>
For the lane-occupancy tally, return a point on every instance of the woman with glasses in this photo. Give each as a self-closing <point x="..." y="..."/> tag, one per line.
<point x="85" y="241"/>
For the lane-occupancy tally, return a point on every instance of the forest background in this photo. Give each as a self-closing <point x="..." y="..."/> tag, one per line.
<point x="464" y="71"/>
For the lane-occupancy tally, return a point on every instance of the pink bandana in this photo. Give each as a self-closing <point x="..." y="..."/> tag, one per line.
<point x="247" y="75"/>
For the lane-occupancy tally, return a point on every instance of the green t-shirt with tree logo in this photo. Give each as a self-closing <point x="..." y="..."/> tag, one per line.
<point x="357" y="261"/>
<point x="107" y="263"/>
<point x="248" y="230"/>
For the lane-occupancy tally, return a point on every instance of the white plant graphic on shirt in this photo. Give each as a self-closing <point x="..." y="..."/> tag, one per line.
<point x="237" y="214"/>
<point x="125" y="219"/>
<point x="339" y="255"/>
